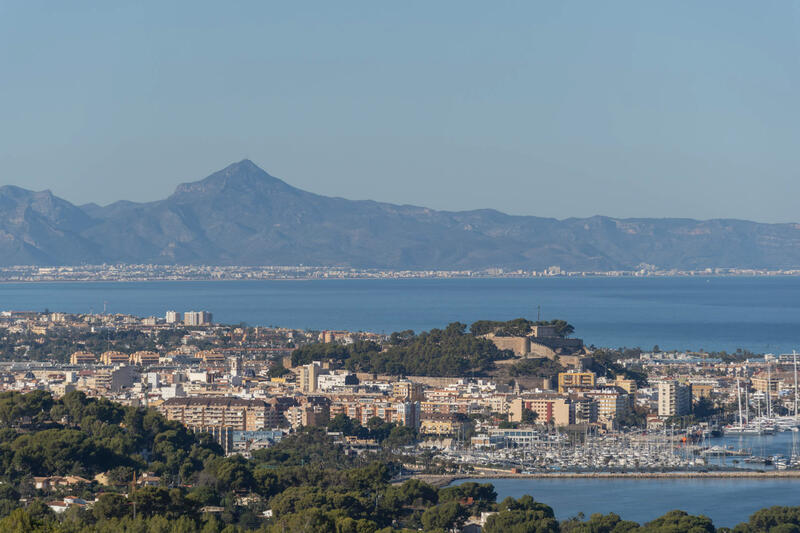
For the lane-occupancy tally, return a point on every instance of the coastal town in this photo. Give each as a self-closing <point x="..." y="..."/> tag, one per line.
<point x="546" y="403"/>
<point x="170" y="272"/>
<point x="399" y="267"/>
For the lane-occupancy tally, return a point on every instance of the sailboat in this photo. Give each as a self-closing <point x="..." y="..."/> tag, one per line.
<point x="742" y="428"/>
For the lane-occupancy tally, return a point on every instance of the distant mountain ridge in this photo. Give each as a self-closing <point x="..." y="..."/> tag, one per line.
<point x="243" y="216"/>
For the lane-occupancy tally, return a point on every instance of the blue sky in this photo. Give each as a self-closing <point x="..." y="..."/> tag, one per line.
<point x="684" y="109"/>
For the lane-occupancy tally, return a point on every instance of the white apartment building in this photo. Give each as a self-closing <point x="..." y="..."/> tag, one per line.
<point x="309" y="378"/>
<point x="674" y="399"/>
<point x="197" y="318"/>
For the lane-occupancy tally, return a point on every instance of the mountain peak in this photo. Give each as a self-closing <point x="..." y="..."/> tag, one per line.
<point x="241" y="215"/>
<point x="245" y="167"/>
<point x="243" y="176"/>
<point x="40" y="200"/>
<point x="245" y="163"/>
<point x="19" y="192"/>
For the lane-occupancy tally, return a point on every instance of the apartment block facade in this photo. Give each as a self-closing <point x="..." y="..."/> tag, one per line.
<point x="236" y="413"/>
<point x="674" y="399"/>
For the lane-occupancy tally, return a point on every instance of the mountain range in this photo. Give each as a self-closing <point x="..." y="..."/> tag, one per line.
<point x="243" y="216"/>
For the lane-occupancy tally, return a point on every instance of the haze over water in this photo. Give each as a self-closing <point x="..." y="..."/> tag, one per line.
<point x="717" y="313"/>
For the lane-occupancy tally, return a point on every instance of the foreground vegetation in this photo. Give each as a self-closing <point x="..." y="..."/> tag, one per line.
<point x="308" y="482"/>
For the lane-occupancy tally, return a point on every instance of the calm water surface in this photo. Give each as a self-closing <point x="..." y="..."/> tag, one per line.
<point x="726" y="501"/>
<point x="760" y="314"/>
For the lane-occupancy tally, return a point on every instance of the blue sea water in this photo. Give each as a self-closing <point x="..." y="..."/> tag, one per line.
<point x="761" y="314"/>
<point x="726" y="501"/>
<point x="718" y="313"/>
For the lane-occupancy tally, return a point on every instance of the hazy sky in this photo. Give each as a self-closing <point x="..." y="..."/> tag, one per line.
<point x="545" y="108"/>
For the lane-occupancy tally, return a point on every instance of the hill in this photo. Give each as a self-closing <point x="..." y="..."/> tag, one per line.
<point x="243" y="216"/>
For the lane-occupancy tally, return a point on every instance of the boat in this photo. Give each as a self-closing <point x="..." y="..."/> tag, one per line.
<point x="747" y="429"/>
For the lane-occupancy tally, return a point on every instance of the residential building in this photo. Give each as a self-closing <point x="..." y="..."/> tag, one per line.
<point x="210" y="357"/>
<point x="336" y="380"/>
<point x="442" y="425"/>
<point x="144" y="358"/>
<point x="55" y="482"/>
<point x="314" y="411"/>
<point x="764" y="383"/>
<point x="628" y="385"/>
<point x="585" y="410"/>
<point x="112" y="357"/>
<point x="197" y="318"/>
<point x="230" y="412"/>
<point x="408" y="390"/>
<point x="612" y="403"/>
<point x="575" y="381"/>
<point x="309" y="378"/>
<point x="464" y="406"/>
<point x="248" y="441"/>
<point x="401" y="413"/>
<point x="82" y="358"/>
<point x="703" y="388"/>
<point x="549" y="408"/>
<point x="674" y="399"/>
<point x="122" y="378"/>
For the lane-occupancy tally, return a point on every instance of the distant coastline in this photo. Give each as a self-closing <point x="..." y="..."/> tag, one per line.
<point x="153" y="272"/>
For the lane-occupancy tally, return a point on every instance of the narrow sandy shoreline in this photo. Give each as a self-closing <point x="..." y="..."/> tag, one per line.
<point x="444" y="480"/>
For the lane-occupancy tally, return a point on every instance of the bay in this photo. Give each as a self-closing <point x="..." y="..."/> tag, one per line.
<point x="726" y="501"/>
<point x="761" y="314"/>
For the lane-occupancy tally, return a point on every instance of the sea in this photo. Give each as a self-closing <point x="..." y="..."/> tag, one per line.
<point x="760" y="314"/>
<point x="727" y="502"/>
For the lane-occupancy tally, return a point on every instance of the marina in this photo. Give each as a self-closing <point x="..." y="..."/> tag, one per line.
<point x="535" y="450"/>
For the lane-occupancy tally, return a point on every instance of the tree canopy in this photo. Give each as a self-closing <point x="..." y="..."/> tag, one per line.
<point x="519" y="327"/>
<point x="439" y="352"/>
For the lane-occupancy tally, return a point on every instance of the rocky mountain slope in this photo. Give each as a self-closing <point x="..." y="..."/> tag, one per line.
<point x="243" y="216"/>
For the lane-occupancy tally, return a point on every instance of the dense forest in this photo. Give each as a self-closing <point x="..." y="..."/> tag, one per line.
<point x="307" y="480"/>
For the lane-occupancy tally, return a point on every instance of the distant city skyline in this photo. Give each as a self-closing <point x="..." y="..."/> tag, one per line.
<point x="572" y="109"/>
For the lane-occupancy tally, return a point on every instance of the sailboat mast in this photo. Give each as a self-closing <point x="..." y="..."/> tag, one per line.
<point x="794" y="361"/>
<point x="747" y="404"/>
<point x="739" y="399"/>
<point x="769" y="390"/>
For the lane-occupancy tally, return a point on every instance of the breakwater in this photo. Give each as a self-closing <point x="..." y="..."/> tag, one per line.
<point x="438" y="480"/>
